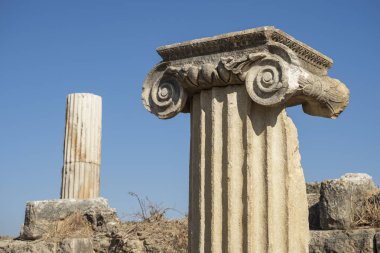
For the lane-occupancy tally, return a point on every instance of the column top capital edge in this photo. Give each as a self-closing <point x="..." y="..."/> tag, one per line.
<point x="275" y="68"/>
<point x="84" y="94"/>
<point x="243" y="40"/>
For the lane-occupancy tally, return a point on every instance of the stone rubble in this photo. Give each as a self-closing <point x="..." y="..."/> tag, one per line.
<point x="108" y="234"/>
<point x="338" y="198"/>
<point x="341" y="241"/>
<point x="42" y="217"/>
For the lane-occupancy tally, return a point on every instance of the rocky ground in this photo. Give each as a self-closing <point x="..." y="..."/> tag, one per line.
<point x="344" y="217"/>
<point x="169" y="236"/>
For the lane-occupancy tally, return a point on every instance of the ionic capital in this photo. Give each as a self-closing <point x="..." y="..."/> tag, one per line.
<point x="275" y="68"/>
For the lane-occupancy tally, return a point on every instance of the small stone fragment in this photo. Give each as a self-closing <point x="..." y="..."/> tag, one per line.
<point x="76" y="245"/>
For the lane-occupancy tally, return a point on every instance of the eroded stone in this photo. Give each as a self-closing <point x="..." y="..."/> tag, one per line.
<point x="339" y="241"/>
<point x="76" y="245"/>
<point x="42" y="217"/>
<point x="339" y="198"/>
<point x="82" y="147"/>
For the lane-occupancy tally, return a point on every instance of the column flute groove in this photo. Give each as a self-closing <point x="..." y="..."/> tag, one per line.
<point x="243" y="185"/>
<point x="82" y="147"/>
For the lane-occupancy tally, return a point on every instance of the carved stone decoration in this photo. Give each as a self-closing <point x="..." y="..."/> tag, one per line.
<point x="265" y="75"/>
<point x="330" y="93"/>
<point x="276" y="69"/>
<point x="247" y="191"/>
<point x="163" y="95"/>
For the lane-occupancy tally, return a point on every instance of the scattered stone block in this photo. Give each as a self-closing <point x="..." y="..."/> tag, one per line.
<point x="313" y="187"/>
<point x="42" y="217"/>
<point x="313" y="205"/>
<point x="339" y="241"/>
<point x="338" y="199"/>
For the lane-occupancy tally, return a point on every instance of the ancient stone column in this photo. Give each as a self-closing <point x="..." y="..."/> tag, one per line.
<point x="247" y="189"/>
<point x="82" y="147"/>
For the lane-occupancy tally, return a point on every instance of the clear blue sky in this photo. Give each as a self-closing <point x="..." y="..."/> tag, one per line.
<point x="49" y="49"/>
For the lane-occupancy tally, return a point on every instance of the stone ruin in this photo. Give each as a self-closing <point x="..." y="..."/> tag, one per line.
<point x="80" y="200"/>
<point x="247" y="189"/>
<point x="82" y="147"/>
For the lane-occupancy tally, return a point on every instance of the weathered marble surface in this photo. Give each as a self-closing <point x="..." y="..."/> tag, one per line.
<point x="82" y="147"/>
<point x="275" y="68"/>
<point x="247" y="190"/>
<point x="341" y="241"/>
<point x="339" y="198"/>
<point x="41" y="217"/>
<point x="246" y="180"/>
<point x="77" y="245"/>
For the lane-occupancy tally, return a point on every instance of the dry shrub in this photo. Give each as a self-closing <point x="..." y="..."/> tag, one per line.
<point x="72" y="226"/>
<point x="367" y="211"/>
<point x="150" y="211"/>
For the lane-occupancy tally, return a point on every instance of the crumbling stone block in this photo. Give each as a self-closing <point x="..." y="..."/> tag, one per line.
<point x="340" y="241"/>
<point x="338" y="199"/>
<point x="42" y="217"/>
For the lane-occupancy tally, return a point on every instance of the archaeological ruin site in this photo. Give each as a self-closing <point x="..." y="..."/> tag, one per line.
<point x="247" y="192"/>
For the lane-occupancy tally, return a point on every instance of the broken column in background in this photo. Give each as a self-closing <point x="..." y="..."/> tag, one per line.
<point x="80" y="211"/>
<point x="247" y="189"/>
<point x="82" y="147"/>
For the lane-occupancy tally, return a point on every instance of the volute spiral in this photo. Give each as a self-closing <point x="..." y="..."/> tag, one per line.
<point x="267" y="81"/>
<point x="163" y="95"/>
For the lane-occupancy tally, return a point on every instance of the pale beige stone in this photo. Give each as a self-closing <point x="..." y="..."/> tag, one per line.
<point x="76" y="245"/>
<point x="82" y="147"/>
<point x="247" y="189"/>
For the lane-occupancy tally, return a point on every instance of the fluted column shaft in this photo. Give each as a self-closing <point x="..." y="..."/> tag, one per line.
<point x="82" y="147"/>
<point x="247" y="189"/>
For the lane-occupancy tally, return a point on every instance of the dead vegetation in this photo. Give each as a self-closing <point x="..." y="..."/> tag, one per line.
<point x="367" y="211"/>
<point x="73" y="226"/>
<point x="169" y="236"/>
<point x="152" y="229"/>
<point x="150" y="211"/>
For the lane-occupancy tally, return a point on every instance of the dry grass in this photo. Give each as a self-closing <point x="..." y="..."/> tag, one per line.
<point x="73" y="226"/>
<point x="367" y="211"/>
<point x="169" y="236"/>
<point x="151" y="226"/>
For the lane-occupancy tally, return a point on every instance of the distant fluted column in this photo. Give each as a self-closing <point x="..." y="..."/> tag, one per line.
<point x="247" y="190"/>
<point x="82" y="147"/>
